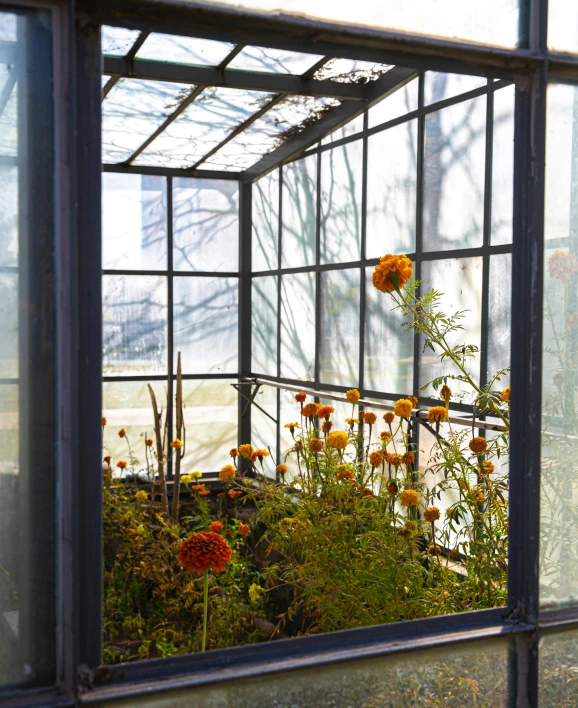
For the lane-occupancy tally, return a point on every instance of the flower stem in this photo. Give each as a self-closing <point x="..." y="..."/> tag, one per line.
<point x="205" y="608"/>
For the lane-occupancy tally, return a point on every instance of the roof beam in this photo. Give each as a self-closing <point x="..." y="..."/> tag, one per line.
<point x="330" y="121"/>
<point x="233" y="78"/>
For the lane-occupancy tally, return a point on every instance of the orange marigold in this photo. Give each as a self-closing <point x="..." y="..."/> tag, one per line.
<point x="413" y="400"/>
<point x="300" y="397"/>
<point x="233" y="452"/>
<point x="366" y="492"/>
<point x="352" y="395"/>
<point x="432" y="513"/>
<point x="403" y="408"/>
<point x="478" y="445"/>
<point x="409" y="497"/>
<point x="227" y="473"/>
<point x="198" y="487"/>
<point x="246" y="450"/>
<point x="352" y="421"/>
<point x="327" y="425"/>
<point x="325" y="411"/>
<point x="488" y="467"/>
<point x="259" y="455"/>
<point x="434" y="550"/>
<point x="393" y="458"/>
<point x="337" y="439"/>
<point x="204" y="492"/>
<point x="107" y="459"/>
<point x="370" y="418"/>
<point x="316" y="445"/>
<point x="216" y="526"/>
<point x="408" y="458"/>
<point x="389" y="417"/>
<point x="311" y="409"/>
<point x="562" y="265"/>
<point x="385" y="436"/>
<point x="445" y="393"/>
<point x="437" y="414"/>
<point x="104" y="421"/>
<point x="177" y="444"/>
<point x="234" y="493"/>
<point x="282" y="469"/>
<point x="204" y="550"/>
<point x="376" y="459"/>
<point x="122" y="433"/>
<point x="505" y="395"/>
<point x="148" y="442"/>
<point x="392" y="488"/>
<point x="392" y="273"/>
<point x="243" y="529"/>
<point x="122" y="464"/>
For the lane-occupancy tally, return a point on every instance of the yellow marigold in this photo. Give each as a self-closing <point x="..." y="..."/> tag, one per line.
<point x="445" y="393"/>
<point x="352" y="421"/>
<point x="409" y="497"/>
<point x="437" y="414"/>
<point x="233" y="452"/>
<point x="389" y="417"/>
<point x="432" y="513"/>
<point x="122" y="433"/>
<point x="327" y="425"/>
<point x="337" y="439"/>
<point x="376" y="459"/>
<point x="434" y="550"/>
<point x="104" y="421"/>
<point x="141" y="496"/>
<point x="243" y="529"/>
<point x="122" y="464"/>
<point x="292" y="426"/>
<point x="227" y="473"/>
<point x="177" y="444"/>
<point x="282" y="469"/>
<point x="325" y="411"/>
<point x="259" y="455"/>
<point x="246" y="450"/>
<point x="505" y="395"/>
<point x="204" y="550"/>
<point x="215" y="526"/>
<point x="370" y="418"/>
<point x="316" y="445"/>
<point x="195" y="474"/>
<point x="385" y="436"/>
<point x="353" y="395"/>
<point x="392" y="273"/>
<point x="478" y="445"/>
<point x="408" y="458"/>
<point x="403" y="408"/>
<point x="186" y="478"/>
<point x="148" y="442"/>
<point x="300" y="397"/>
<point x="562" y="265"/>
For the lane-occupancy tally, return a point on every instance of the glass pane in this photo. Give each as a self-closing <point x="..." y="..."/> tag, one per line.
<point x="559" y="554"/>
<point x="391" y="190"/>
<point x="132" y="111"/>
<point x="339" y="346"/>
<point x="205" y="324"/>
<point x="460" y="282"/>
<point x="298" y="326"/>
<point x="503" y="166"/>
<point x="341" y="182"/>
<point x="184" y="50"/>
<point x="354" y="126"/>
<point x="134" y="314"/>
<point x="563" y="25"/>
<point x="388" y="368"/>
<point x="454" y="170"/>
<point x="117" y="41"/>
<point x="274" y="61"/>
<point x="438" y="86"/>
<point x="266" y="222"/>
<point x="202" y="126"/>
<point x="29" y="531"/>
<point x="299" y="208"/>
<point x="205" y="224"/>
<point x="499" y="315"/>
<point x="493" y="22"/>
<point x="263" y="429"/>
<point x="134" y="222"/>
<point x="264" y="326"/>
<point x="473" y="674"/>
<point x="399" y="103"/>
<point x="558" y="669"/>
<point x="351" y="71"/>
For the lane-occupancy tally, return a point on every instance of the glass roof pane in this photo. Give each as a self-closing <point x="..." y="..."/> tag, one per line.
<point x="275" y="61"/>
<point x="118" y="40"/>
<point x="8" y="117"/>
<point x="132" y="111"/>
<point x="202" y="126"/>
<point x="269" y="131"/>
<point x="351" y="71"/>
<point x="184" y="50"/>
<point x="7" y="26"/>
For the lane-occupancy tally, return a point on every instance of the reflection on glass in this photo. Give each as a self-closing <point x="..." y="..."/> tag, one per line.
<point x="265" y="216"/>
<point x="132" y="111"/>
<point x="454" y="170"/>
<point x="499" y="315"/>
<point x="397" y="104"/>
<point x="134" y="314"/>
<point x="341" y="180"/>
<point x="339" y="345"/>
<point x="460" y="282"/>
<point x="205" y="224"/>
<point x="205" y="324"/>
<point x="558" y="670"/>
<point x="298" y="326"/>
<point x="134" y="222"/>
<point x="273" y="61"/>
<point x="202" y="126"/>
<point x="117" y="41"/>
<point x="438" y="86"/>
<point x="388" y="349"/>
<point x="503" y="166"/>
<point x="391" y="190"/>
<point x="299" y="205"/>
<point x="264" y="326"/>
<point x="475" y="674"/>
<point x="184" y="50"/>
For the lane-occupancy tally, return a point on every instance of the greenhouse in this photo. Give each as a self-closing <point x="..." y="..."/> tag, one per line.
<point x="290" y="392"/>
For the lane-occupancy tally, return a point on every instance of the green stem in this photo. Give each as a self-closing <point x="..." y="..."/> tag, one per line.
<point x="205" y="608"/>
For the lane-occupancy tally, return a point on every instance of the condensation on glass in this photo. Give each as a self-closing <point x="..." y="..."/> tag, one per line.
<point x="28" y="530"/>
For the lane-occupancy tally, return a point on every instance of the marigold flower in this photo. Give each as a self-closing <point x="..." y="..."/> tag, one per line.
<point x="352" y="395"/>
<point x="432" y="513"/>
<point x="310" y="409"/>
<point x="233" y="452"/>
<point x="107" y="459"/>
<point x="243" y="529"/>
<point x="246" y="450"/>
<point x="488" y="467"/>
<point x="122" y="464"/>
<point x="478" y="445"/>
<point x="300" y="397"/>
<point x="370" y="418"/>
<point x="327" y="425"/>
<point x="389" y="417"/>
<point x="409" y="497"/>
<point x="376" y="459"/>
<point x="403" y="408"/>
<point x="195" y="474"/>
<point x="408" y="458"/>
<point x="413" y="400"/>
<point x="437" y="414"/>
<point x="434" y="550"/>
<point x="122" y="433"/>
<point x="104" y="421"/>
<point x="282" y="469"/>
<point x="411" y="526"/>
<point x="445" y="393"/>
<point x="348" y="474"/>
<point x="204" y="492"/>
<point x="352" y="421"/>
<point x="234" y="493"/>
<point x="198" y="487"/>
<point x="404" y="532"/>
<point x="366" y="492"/>
<point x="227" y="473"/>
<point x="505" y="395"/>
<point x="316" y="445"/>
<point x="292" y="426"/>
<point x="393" y="459"/>
<point x="186" y="478"/>
<point x="325" y="411"/>
<point x="141" y="496"/>
<point x="337" y="439"/>
<point x="392" y="273"/>
<point x="204" y="550"/>
<point x="385" y="436"/>
<point x="562" y="265"/>
<point x="259" y="455"/>
<point x="148" y="442"/>
<point x="216" y="526"/>
<point x="177" y="444"/>
<point x="392" y="488"/>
